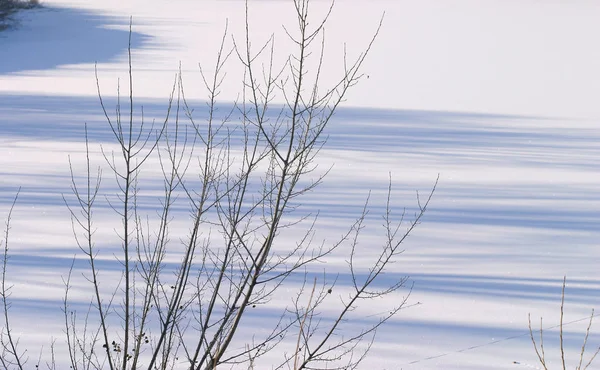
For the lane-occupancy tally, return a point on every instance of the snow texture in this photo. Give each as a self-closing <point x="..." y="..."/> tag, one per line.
<point x="500" y="98"/>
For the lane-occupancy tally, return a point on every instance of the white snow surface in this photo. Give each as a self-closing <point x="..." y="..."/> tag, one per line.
<point x="500" y="98"/>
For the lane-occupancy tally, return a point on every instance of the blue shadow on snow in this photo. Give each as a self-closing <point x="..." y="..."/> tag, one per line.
<point x="49" y="37"/>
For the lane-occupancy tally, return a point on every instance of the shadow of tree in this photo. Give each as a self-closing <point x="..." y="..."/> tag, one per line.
<point x="59" y="36"/>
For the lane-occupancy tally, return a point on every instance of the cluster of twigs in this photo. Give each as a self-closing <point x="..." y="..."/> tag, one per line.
<point x="539" y="349"/>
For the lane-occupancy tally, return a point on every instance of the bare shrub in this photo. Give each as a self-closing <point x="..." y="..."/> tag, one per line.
<point x="187" y="301"/>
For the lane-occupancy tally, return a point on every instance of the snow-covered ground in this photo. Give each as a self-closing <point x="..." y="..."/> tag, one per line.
<point x="500" y="98"/>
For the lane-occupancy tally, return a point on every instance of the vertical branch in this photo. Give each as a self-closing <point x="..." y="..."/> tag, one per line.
<point x="584" y="345"/>
<point x="127" y="188"/>
<point x="562" y="309"/>
<point x="86" y="202"/>
<point x="11" y="346"/>
<point x="541" y="356"/>
<point x="70" y="333"/>
<point x="303" y="323"/>
<point x="136" y="146"/>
